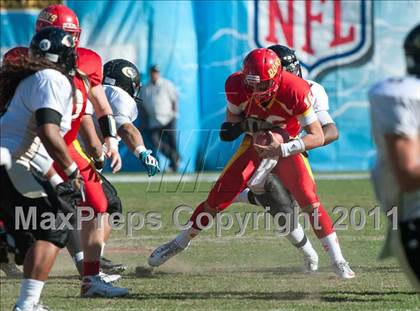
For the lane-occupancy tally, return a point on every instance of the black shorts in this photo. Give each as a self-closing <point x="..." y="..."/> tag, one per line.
<point x="114" y="202"/>
<point x="11" y="202"/>
<point x="410" y="240"/>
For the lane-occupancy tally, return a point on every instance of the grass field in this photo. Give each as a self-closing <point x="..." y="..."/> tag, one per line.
<point x="256" y="271"/>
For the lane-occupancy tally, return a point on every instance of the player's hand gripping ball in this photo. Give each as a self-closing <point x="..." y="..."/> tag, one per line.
<point x="264" y="138"/>
<point x="268" y="143"/>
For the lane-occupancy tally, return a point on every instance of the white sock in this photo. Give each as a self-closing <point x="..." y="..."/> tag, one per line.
<point x="184" y="238"/>
<point x="242" y="197"/>
<point x="78" y="257"/>
<point x="102" y="249"/>
<point x="332" y="247"/>
<point x="296" y="236"/>
<point x="30" y="292"/>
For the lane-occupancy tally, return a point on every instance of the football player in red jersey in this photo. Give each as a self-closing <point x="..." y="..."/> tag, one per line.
<point x="87" y="81"/>
<point x="262" y="96"/>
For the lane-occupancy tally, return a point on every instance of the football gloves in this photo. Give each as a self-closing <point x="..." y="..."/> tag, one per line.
<point x="149" y="162"/>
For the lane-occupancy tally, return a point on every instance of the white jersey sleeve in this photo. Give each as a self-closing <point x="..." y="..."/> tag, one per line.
<point x="123" y="105"/>
<point x="52" y="90"/>
<point x="395" y="107"/>
<point x="320" y="104"/>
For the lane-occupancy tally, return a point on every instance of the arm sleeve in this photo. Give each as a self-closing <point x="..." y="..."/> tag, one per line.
<point x="324" y="117"/>
<point x="124" y="108"/>
<point x="392" y="115"/>
<point x="95" y="78"/>
<point x="320" y="97"/>
<point x="52" y="91"/>
<point x="234" y="109"/>
<point x="304" y="106"/>
<point x="235" y="95"/>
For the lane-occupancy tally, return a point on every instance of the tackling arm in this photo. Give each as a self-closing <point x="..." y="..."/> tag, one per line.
<point x="106" y="120"/>
<point x="131" y="136"/>
<point x="403" y="152"/>
<point x="134" y="140"/>
<point x="330" y="133"/>
<point x="314" y="135"/>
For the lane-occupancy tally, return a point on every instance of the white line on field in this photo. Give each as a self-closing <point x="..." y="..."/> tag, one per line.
<point x="211" y="177"/>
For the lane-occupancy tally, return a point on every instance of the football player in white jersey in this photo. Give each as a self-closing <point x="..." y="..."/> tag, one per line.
<point x="121" y="84"/>
<point x="265" y="189"/>
<point x="36" y="113"/>
<point x="395" y="116"/>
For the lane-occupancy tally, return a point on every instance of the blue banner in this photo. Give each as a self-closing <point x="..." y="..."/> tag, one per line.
<point x="344" y="45"/>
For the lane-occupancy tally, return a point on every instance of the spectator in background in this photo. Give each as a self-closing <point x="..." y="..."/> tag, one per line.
<point x="160" y="106"/>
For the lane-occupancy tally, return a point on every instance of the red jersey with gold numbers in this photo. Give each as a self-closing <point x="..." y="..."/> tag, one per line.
<point x="89" y="74"/>
<point x="290" y="108"/>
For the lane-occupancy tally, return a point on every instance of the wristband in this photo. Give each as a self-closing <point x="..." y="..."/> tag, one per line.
<point x="55" y="180"/>
<point x="71" y="169"/>
<point x="139" y="149"/>
<point x="292" y="147"/>
<point x="108" y="126"/>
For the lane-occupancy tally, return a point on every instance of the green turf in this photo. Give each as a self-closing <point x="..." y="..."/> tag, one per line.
<point x="256" y="271"/>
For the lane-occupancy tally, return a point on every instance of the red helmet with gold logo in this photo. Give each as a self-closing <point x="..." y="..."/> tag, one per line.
<point x="261" y="73"/>
<point x="59" y="16"/>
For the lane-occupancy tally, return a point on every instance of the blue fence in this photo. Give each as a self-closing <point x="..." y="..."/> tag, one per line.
<point x="344" y="45"/>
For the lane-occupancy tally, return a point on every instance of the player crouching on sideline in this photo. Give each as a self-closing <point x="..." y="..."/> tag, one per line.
<point x="395" y="115"/>
<point x="121" y="84"/>
<point x="262" y="97"/>
<point x="277" y="196"/>
<point x="36" y="104"/>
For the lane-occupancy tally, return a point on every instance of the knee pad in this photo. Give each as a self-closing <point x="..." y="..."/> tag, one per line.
<point x="278" y="200"/>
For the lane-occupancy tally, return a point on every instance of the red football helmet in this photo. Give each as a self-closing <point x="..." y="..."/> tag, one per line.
<point x="262" y="72"/>
<point x="60" y="16"/>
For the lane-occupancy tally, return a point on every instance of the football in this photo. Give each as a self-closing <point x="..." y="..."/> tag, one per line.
<point x="263" y="138"/>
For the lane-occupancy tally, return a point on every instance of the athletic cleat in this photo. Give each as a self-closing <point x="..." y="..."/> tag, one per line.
<point x="109" y="278"/>
<point x="343" y="270"/>
<point x="35" y="307"/>
<point x="95" y="286"/>
<point x="310" y="264"/>
<point x="11" y="270"/>
<point x="109" y="267"/>
<point x="164" y="252"/>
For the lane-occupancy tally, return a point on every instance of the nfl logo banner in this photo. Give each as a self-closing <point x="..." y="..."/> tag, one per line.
<point x="324" y="33"/>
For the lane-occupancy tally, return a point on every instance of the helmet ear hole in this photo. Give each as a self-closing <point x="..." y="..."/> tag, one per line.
<point x="56" y="46"/>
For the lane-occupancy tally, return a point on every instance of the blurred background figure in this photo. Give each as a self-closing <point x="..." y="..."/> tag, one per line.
<point x="395" y="114"/>
<point x="160" y="111"/>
